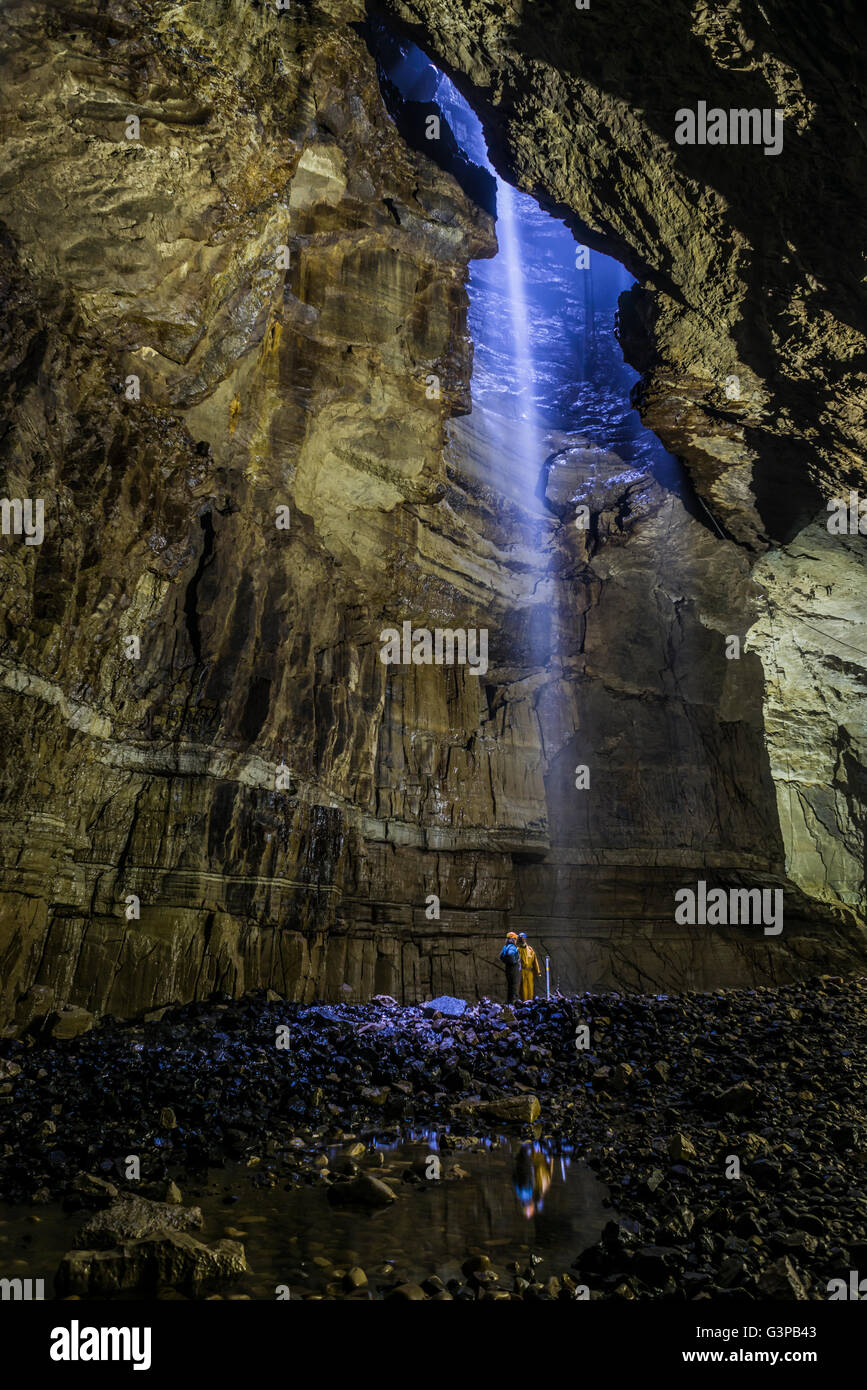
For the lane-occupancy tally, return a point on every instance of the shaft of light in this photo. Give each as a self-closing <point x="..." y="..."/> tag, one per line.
<point x="510" y="248"/>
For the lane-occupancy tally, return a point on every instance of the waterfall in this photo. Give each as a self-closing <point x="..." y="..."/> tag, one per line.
<point x="522" y="356"/>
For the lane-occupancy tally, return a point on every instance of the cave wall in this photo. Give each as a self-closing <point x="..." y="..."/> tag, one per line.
<point x="749" y="264"/>
<point x="748" y="322"/>
<point x="279" y="801"/>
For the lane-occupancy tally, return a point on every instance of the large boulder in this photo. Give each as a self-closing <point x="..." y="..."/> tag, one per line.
<point x="445" y="1004"/>
<point x="142" y="1266"/>
<point x="517" y="1110"/>
<point x="70" y="1022"/>
<point x="135" y="1219"/>
<point x="514" y="1109"/>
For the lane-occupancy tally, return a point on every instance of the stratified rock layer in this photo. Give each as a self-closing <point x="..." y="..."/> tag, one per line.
<point x="232" y="347"/>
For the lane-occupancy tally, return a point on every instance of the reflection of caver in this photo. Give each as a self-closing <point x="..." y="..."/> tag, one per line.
<point x="529" y="963"/>
<point x="524" y="1176"/>
<point x="512" y="965"/>
<point x="533" y="1174"/>
<point x="544" y="1169"/>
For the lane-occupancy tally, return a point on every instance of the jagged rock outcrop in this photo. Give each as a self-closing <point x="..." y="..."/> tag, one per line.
<point x="255" y="312"/>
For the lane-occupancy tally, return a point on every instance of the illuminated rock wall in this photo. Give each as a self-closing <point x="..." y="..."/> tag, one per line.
<point x="260" y="304"/>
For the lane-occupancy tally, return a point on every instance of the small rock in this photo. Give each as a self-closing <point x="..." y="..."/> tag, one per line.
<point x="87" y="1185"/>
<point x="737" y="1100"/>
<point x="731" y="1272"/>
<point x="781" y="1280"/>
<point x="681" y="1149"/>
<point x="70" y="1022"/>
<point x="374" y="1095"/>
<point x="362" y="1191"/>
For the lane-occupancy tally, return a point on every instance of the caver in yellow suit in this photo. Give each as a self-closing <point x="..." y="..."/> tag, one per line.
<point x="529" y="963"/>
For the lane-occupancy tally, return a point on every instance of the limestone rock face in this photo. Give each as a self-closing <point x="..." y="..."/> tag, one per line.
<point x="747" y="322"/>
<point x="811" y="635"/>
<point x="236" y="368"/>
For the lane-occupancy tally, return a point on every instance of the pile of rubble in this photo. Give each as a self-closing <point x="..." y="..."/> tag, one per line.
<point x="728" y="1126"/>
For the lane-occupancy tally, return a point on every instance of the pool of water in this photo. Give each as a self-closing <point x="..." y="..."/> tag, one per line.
<point x="515" y="1200"/>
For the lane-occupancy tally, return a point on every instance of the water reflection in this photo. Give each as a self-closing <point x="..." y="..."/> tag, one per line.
<point x="534" y="1171"/>
<point x="511" y="1200"/>
<point x="536" y="1165"/>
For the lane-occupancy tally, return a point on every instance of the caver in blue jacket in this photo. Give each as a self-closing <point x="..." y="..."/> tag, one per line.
<point x="512" y="965"/>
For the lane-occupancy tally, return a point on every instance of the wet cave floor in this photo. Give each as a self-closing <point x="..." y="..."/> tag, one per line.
<point x="297" y="1244"/>
<point x="597" y="1146"/>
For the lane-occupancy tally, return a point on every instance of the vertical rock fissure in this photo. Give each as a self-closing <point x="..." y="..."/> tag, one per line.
<point x="191" y="598"/>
